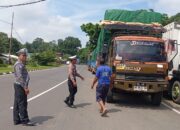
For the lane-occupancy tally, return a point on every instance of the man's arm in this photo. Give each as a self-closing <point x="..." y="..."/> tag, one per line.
<point x="94" y="82"/>
<point x="71" y="74"/>
<point x="78" y="75"/>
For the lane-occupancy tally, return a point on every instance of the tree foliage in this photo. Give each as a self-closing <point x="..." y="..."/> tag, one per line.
<point x="4" y="44"/>
<point x="69" y="46"/>
<point x="175" y="18"/>
<point x="39" y="45"/>
<point x="44" y="58"/>
<point x="92" y="31"/>
<point x="83" y="54"/>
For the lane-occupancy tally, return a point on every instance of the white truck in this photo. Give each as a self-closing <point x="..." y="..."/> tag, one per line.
<point x="172" y="36"/>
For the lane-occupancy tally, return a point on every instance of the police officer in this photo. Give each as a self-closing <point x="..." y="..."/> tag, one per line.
<point x="20" y="113"/>
<point x="72" y="84"/>
<point x="104" y="78"/>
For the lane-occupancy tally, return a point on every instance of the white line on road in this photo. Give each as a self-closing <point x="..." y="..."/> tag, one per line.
<point x="30" y="99"/>
<point x="171" y="108"/>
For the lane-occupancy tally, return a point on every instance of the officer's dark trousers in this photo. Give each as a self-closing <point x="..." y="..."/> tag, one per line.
<point x="20" y="105"/>
<point x="72" y="92"/>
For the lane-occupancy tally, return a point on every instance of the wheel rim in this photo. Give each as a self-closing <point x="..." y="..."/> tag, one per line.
<point x="175" y="92"/>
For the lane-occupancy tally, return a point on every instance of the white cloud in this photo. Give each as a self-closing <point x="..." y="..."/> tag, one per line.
<point x="49" y="20"/>
<point x="36" y="21"/>
<point x="170" y="7"/>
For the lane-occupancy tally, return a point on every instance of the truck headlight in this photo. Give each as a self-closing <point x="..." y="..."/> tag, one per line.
<point x="160" y="66"/>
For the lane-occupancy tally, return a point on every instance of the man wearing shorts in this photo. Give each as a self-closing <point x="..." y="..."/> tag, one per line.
<point x="103" y="76"/>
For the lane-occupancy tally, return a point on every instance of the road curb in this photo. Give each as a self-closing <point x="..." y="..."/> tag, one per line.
<point x="5" y="73"/>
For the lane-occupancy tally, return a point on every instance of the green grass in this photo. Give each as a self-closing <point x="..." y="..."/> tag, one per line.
<point x="10" y="68"/>
<point x="6" y="69"/>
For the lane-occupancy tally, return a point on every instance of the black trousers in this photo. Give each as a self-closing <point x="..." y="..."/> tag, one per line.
<point x="72" y="92"/>
<point x="20" y="113"/>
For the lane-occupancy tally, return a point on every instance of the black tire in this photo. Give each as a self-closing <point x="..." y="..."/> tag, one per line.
<point x="156" y="98"/>
<point x="110" y="98"/>
<point x="175" y="92"/>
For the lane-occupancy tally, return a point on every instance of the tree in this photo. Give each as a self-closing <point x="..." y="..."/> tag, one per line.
<point x="175" y="18"/>
<point x="71" y="45"/>
<point x="4" y="43"/>
<point x="44" y="58"/>
<point x="91" y="30"/>
<point x="16" y="46"/>
<point x="29" y="47"/>
<point x="83" y="54"/>
<point x="60" y="45"/>
<point x="39" y="45"/>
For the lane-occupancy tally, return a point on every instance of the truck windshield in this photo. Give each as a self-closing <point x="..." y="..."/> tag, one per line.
<point x="144" y="51"/>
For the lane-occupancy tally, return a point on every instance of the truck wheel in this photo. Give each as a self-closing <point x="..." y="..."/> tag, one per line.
<point x="175" y="92"/>
<point x="110" y="96"/>
<point x="156" y="98"/>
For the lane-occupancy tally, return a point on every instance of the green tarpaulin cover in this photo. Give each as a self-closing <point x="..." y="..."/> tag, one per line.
<point x="142" y="16"/>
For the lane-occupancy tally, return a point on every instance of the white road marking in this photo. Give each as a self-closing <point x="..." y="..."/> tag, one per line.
<point x="171" y="108"/>
<point x="30" y="99"/>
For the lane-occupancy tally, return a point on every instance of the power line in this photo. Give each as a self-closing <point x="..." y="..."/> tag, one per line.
<point x="4" y="21"/>
<point x="18" y="35"/>
<point x="13" y="29"/>
<point x="22" y="4"/>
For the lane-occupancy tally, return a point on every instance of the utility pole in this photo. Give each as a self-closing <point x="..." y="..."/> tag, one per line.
<point x="10" y="43"/>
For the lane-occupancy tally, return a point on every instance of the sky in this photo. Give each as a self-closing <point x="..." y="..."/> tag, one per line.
<point x="57" y="19"/>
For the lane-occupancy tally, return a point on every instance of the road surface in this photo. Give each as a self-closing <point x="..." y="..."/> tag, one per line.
<point x="46" y="106"/>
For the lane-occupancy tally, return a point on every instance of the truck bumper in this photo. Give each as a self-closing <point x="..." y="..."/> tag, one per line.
<point x="140" y="86"/>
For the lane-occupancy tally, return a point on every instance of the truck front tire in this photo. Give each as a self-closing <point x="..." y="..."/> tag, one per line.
<point x="175" y="92"/>
<point x="156" y="98"/>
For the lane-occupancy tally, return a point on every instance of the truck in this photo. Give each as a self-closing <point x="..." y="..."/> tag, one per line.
<point x="131" y="44"/>
<point x="172" y="34"/>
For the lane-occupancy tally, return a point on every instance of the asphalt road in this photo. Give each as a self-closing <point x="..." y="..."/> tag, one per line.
<point x="46" y="106"/>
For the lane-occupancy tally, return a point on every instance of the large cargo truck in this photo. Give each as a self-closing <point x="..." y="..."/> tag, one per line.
<point x="172" y="34"/>
<point x="132" y="45"/>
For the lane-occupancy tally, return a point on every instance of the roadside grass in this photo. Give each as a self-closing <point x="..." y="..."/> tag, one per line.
<point x="6" y="69"/>
<point x="10" y="68"/>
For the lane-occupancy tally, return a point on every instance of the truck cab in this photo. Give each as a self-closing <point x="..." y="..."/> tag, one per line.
<point x="139" y="65"/>
<point x="172" y="38"/>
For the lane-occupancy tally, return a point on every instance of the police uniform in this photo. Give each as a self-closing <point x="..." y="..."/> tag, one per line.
<point x="72" y="73"/>
<point x="20" y="114"/>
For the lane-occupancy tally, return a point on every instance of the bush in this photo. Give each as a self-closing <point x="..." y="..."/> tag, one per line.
<point x="44" y="58"/>
<point x="1" y="61"/>
<point x="33" y="63"/>
<point x="3" y="65"/>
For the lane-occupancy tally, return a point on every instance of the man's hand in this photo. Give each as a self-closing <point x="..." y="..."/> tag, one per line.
<point x="26" y="91"/>
<point x="82" y="78"/>
<point x="74" y="84"/>
<point x="92" y="86"/>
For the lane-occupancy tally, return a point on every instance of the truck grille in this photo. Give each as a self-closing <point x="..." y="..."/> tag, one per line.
<point x="143" y="78"/>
